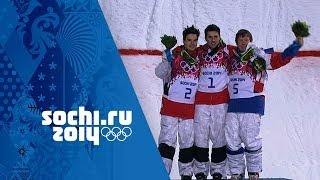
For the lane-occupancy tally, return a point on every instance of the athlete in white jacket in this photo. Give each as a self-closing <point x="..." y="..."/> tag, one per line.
<point x="180" y="78"/>
<point x="211" y="106"/>
<point x="247" y="101"/>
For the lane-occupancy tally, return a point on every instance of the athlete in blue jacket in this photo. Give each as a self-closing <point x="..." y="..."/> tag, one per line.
<point x="247" y="102"/>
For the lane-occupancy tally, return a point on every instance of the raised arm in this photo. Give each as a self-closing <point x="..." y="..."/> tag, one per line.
<point x="163" y="70"/>
<point x="280" y="59"/>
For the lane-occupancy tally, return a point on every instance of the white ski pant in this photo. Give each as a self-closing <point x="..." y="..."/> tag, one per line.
<point x="170" y="127"/>
<point x="209" y="124"/>
<point x="243" y="128"/>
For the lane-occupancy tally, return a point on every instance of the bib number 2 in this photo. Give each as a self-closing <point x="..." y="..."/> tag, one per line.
<point x="188" y="93"/>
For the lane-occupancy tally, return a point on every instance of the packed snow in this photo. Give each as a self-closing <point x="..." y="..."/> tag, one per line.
<point x="291" y="125"/>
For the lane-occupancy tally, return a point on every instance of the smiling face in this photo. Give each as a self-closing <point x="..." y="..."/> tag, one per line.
<point x="242" y="42"/>
<point x="212" y="38"/>
<point x="243" y="38"/>
<point x="190" y="42"/>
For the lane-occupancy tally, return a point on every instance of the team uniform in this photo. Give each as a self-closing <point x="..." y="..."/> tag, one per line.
<point x="177" y="111"/>
<point x="210" y="110"/>
<point x="246" y="106"/>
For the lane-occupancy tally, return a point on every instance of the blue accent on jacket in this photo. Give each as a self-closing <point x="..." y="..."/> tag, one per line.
<point x="168" y="54"/>
<point x="291" y="51"/>
<point x="247" y="105"/>
<point x="269" y="50"/>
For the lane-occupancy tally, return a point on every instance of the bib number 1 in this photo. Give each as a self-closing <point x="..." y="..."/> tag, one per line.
<point x="211" y="83"/>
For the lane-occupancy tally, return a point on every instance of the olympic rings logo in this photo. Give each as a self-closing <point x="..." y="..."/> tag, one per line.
<point x="116" y="133"/>
<point x="187" y="68"/>
<point x="237" y="64"/>
<point x="215" y="58"/>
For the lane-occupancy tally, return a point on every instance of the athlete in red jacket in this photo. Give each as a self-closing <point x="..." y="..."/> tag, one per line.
<point x="180" y="78"/>
<point x="211" y="107"/>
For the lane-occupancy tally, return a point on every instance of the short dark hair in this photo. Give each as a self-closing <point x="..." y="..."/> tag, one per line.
<point x="211" y="27"/>
<point x="190" y="30"/>
<point x="243" y="33"/>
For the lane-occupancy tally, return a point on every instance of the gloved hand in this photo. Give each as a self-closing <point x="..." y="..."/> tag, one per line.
<point x="259" y="52"/>
<point x="259" y="64"/>
<point x="253" y="46"/>
<point x="300" y="40"/>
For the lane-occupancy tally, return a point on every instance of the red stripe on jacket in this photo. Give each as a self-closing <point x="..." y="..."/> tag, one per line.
<point x="175" y="109"/>
<point x="212" y="98"/>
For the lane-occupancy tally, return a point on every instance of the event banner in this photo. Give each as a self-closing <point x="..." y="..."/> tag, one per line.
<point x="67" y="107"/>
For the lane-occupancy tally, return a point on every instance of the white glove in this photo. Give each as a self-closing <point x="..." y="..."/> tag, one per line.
<point x="253" y="46"/>
<point x="259" y="52"/>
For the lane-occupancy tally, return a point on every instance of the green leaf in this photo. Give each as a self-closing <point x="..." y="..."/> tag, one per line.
<point x="300" y="28"/>
<point x="168" y="41"/>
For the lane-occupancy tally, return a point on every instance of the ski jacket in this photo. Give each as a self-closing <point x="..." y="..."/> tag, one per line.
<point x="180" y="84"/>
<point x="213" y="78"/>
<point x="246" y="86"/>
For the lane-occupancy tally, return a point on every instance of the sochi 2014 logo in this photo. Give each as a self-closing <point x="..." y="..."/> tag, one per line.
<point x="83" y="125"/>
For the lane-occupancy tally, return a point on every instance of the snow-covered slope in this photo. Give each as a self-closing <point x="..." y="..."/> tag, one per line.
<point x="140" y="23"/>
<point x="291" y="125"/>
